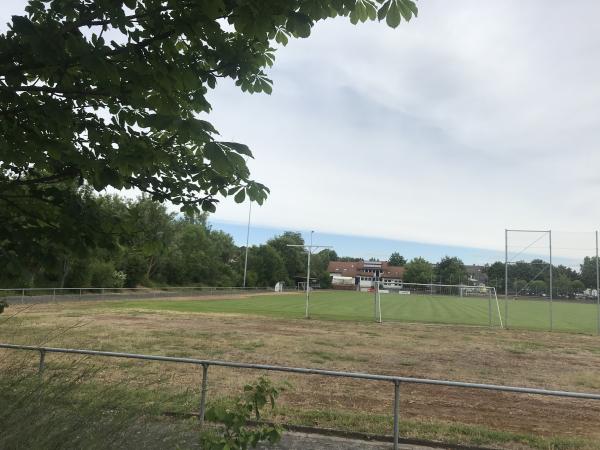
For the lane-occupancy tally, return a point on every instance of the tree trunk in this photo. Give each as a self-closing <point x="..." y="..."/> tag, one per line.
<point x="65" y="272"/>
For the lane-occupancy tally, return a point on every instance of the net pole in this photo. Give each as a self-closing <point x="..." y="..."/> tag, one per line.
<point x="597" y="289"/>
<point x="308" y="276"/>
<point x="379" y="304"/>
<point x="506" y="278"/>
<point x="375" y="296"/>
<point x="550" y="248"/>
<point x="498" y="306"/>
<point x="490" y="308"/>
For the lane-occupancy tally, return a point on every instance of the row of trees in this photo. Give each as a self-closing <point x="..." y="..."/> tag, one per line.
<point x="277" y="261"/>
<point x="138" y="242"/>
<point x="449" y="270"/>
<point x="534" y="277"/>
<point x="526" y="278"/>
<point x="144" y="244"/>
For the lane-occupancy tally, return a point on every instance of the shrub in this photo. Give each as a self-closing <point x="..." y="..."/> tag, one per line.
<point x="135" y="266"/>
<point x="236" y="434"/>
<point x="102" y="274"/>
<point x="79" y="275"/>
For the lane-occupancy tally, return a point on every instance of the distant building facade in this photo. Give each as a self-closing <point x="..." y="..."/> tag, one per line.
<point x="361" y="274"/>
<point x="476" y="274"/>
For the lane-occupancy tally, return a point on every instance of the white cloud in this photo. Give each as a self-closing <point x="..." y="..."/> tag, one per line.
<point x="475" y="117"/>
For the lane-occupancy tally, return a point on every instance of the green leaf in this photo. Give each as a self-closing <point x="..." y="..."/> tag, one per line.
<point x="412" y="6"/>
<point x="242" y="149"/>
<point x="23" y="25"/>
<point x="240" y="196"/>
<point x="281" y="37"/>
<point x="209" y="207"/>
<point x="266" y="86"/>
<point x="299" y="24"/>
<point x="383" y="10"/>
<point x="371" y="11"/>
<point x="404" y="10"/>
<point x="393" y="15"/>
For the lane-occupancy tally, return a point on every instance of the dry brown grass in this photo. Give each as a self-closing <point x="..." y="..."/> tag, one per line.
<point x="537" y="359"/>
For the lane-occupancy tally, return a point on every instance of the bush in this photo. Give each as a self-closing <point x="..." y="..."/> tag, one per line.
<point x="102" y="274"/>
<point x="119" y="278"/>
<point x="236" y="435"/>
<point x="134" y="265"/>
<point x="3" y="304"/>
<point x="79" y="275"/>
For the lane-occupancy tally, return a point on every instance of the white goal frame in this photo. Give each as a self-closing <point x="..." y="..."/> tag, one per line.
<point x="454" y="290"/>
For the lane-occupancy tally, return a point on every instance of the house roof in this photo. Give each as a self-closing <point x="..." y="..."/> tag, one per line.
<point x="352" y="269"/>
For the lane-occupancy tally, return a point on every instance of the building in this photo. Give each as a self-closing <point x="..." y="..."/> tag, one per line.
<point x="361" y="274"/>
<point x="477" y="275"/>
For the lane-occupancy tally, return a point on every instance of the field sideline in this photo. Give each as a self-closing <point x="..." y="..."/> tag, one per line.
<point x="358" y="306"/>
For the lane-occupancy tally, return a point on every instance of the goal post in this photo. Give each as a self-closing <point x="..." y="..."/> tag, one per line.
<point x="481" y="295"/>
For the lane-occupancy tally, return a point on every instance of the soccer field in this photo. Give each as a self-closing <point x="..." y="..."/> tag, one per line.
<point x="359" y="306"/>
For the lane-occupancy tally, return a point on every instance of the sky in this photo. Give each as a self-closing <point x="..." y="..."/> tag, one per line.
<point x="472" y="118"/>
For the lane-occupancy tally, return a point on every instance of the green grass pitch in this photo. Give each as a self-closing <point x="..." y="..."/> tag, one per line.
<point x="359" y="306"/>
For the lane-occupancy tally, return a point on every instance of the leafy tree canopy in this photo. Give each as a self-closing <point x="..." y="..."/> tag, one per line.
<point x="329" y="254"/>
<point x="538" y="287"/>
<point x="294" y="258"/>
<point x="112" y="93"/>
<point x="396" y="259"/>
<point x="451" y="270"/>
<point x="588" y="271"/>
<point x="418" y="270"/>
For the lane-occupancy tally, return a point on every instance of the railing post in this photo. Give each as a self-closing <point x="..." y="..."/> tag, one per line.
<point x="79" y="293"/>
<point x="42" y="362"/>
<point x="54" y="295"/>
<point x="22" y="296"/>
<point x="203" y="393"/>
<point x="396" y="413"/>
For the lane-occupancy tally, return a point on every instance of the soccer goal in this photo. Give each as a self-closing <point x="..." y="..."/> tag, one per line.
<point x="458" y="300"/>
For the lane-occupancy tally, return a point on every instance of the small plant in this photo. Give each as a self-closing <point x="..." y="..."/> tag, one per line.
<point x="236" y="434"/>
<point x="3" y="304"/>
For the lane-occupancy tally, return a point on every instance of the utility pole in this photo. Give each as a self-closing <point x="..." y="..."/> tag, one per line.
<point x="310" y="248"/>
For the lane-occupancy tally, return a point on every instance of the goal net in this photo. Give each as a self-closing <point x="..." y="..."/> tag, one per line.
<point x="462" y="303"/>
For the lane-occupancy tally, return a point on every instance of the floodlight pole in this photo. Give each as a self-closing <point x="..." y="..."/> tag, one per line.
<point x="506" y="279"/>
<point x="551" y="289"/>
<point x="597" y="289"/>
<point x="247" y="238"/>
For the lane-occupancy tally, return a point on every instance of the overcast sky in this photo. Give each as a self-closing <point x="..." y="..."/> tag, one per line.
<point x="475" y="117"/>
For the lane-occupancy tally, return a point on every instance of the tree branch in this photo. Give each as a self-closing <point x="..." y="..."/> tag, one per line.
<point x="43" y="180"/>
<point x="54" y="90"/>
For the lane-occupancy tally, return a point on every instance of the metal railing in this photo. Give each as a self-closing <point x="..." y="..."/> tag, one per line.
<point x="49" y="295"/>
<point x="396" y="380"/>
